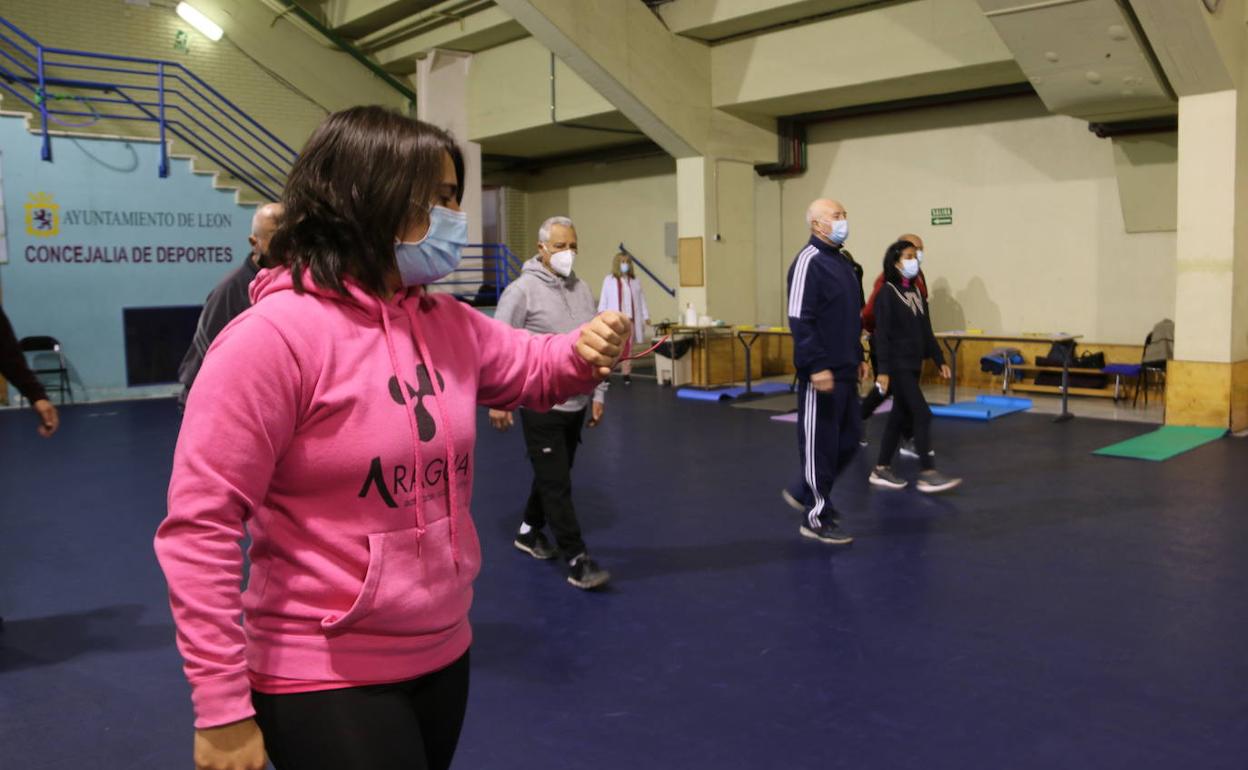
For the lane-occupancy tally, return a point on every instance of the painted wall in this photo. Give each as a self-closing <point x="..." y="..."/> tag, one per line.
<point x="625" y="201"/>
<point x="328" y="80"/>
<point x="1038" y="241"/>
<point x="80" y="300"/>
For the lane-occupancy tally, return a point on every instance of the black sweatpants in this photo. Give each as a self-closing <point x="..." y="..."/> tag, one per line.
<point x="828" y="429"/>
<point x="551" y="439"/>
<point x="909" y="408"/>
<point x="412" y="725"/>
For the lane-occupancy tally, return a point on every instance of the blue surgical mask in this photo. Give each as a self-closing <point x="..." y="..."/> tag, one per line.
<point x="436" y="255"/>
<point x="624" y="268"/>
<point x="839" y="231"/>
<point x="909" y="268"/>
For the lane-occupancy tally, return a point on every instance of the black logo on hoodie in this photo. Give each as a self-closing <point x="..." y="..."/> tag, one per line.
<point x="425" y="424"/>
<point x="404" y="479"/>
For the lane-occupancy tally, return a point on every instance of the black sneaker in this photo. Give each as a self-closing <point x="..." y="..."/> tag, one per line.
<point x="884" y="478"/>
<point x="828" y="531"/>
<point x="932" y="482"/>
<point x="628" y="379"/>
<point x="535" y="544"/>
<point x="587" y="575"/>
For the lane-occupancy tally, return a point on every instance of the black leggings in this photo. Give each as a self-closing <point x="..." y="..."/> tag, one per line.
<point x="412" y="725"/>
<point x="875" y="398"/>
<point x="909" y="409"/>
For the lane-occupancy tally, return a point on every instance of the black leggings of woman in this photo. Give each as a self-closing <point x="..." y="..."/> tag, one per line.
<point x="909" y="409"/>
<point x="875" y="398"/>
<point x="412" y="725"/>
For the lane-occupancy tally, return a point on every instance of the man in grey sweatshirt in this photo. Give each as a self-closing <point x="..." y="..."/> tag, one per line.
<point x="548" y="298"/>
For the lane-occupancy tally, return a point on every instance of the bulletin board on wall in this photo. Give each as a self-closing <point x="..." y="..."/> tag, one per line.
<point x="691" y="268"/>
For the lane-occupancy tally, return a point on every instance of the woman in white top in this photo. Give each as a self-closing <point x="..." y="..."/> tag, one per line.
<point x="621" y="291"/>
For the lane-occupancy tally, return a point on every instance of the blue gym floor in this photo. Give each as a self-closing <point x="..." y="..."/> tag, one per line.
<point x="1060" y="611"/>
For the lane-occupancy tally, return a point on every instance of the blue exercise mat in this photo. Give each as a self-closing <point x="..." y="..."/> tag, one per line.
<point x="759" y="389"/>
<point x="727" y="394"/>
<point x="693" y="394"/>
<point x="983" y="408"/>
<point x="772" y="388"/>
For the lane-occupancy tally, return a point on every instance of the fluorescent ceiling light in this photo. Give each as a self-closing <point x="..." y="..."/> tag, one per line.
<point x="206" y="26"/>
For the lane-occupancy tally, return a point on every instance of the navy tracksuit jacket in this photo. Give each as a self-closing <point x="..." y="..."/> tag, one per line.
<point x="825" y="316"/>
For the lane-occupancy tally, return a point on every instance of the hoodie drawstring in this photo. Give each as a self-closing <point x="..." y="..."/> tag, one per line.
<point x="453" y="498"/>
<point x="411" y="422"/>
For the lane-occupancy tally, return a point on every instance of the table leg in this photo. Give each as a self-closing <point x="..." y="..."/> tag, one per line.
<point x="1065" y="415"/>
<point x="749" y="379"/>
<point x="953" y="368"/>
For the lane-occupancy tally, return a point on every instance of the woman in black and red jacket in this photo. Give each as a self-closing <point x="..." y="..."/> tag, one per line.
<point x="903" y="339"/>
<point x="13" y="368"/>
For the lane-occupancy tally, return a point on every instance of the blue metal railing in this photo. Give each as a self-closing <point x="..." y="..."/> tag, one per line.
<point x="633" y="257"/>
<point x="497" y="267"/>
<point x="129" y="88"/>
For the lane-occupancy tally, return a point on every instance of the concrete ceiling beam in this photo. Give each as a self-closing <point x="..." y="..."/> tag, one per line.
<point x="658" y="80"/>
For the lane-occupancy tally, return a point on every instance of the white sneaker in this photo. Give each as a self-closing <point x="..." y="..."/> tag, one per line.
<point x="884" y="478"/>
<point x="792" y="501"/>
<point x="933" y="482"/>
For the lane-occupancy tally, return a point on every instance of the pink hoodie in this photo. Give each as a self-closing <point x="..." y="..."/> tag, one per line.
<point x="332" y="427"/>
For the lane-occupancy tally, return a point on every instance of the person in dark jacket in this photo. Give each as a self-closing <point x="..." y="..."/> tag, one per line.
<point x="903" y="339"/>
<point x="230" y="297"/>
<point x="13" y="367"/>
<point x="876" y="397"/>
<point x="825" y="305"/>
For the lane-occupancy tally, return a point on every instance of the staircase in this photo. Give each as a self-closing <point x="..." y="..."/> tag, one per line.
<point x="69" y="92"/>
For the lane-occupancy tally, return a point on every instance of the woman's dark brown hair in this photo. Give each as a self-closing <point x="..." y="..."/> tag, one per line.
<point x="365" y="175"/>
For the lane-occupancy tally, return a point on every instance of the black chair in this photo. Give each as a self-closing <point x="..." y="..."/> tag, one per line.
<point x="1151" y="373"/>
<point x="45" y="357"/>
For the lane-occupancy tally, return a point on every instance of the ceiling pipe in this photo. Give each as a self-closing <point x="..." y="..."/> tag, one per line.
<point x="1159" y="125"/>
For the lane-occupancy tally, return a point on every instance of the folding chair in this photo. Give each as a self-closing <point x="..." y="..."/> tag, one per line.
<point x="46" y="357"/>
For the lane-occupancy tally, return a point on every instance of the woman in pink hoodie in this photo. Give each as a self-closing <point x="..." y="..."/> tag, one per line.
<point x="334" y="423"/>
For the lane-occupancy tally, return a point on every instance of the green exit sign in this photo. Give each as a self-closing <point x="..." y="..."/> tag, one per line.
<point x="942" y="216"/>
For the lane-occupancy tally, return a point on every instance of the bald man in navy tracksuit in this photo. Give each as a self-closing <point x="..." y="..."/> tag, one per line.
<point x="825" y="305"/>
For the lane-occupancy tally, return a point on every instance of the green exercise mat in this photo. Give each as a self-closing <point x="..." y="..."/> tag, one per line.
<point x="1163" y="443"/>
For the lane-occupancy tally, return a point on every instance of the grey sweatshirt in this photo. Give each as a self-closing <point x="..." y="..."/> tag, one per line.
<point x="543" y="303"/>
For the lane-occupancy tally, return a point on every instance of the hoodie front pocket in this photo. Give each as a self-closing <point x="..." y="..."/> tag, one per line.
<point x="411" y="586"/>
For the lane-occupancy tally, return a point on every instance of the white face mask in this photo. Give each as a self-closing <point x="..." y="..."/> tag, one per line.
<point x="561" y="262"/>
<point x="909" y="268"/>
<point x="919" y="253"/>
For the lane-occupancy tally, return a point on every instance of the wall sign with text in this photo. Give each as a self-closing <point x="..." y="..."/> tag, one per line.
<point x="53" y="229"/>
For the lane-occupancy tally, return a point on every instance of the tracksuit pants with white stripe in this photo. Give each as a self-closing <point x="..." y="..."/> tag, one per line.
<point x="829" y="427"/>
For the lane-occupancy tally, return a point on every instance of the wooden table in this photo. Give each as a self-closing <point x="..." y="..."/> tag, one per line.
<point x="953" y="341"/>
<point x="702" y="336"/>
